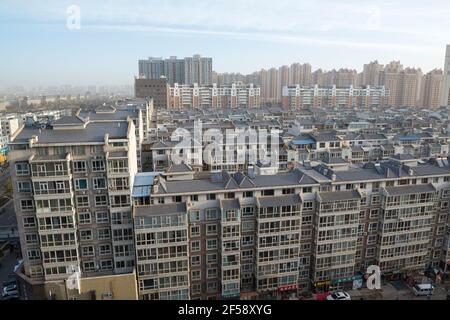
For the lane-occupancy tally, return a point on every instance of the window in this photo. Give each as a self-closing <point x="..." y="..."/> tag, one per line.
<point x="26" y="205"/>
<point x="84" y="218"/>
<point x="247" y="240"/>
<point x="373" y="226"/>
<point x="374" y="213"/>
<point x="29" y="222"/>
<point x="194" y="215"/>
<point x="102" y="217"/>
<point x="211" y="196"/>
<point x="120" y="201"/>
<point x="79" y="166"/>
<point x="99" y="183"/>
<point x="307" y="189"/>
<point x="103" y="233"/>
<point x="248" y="194"/>
<point x="211" y="273"/>
<point x="33" y="255"/>
<point x="195" y="246"/>
<point x="87" y="251"/>
<point x="24" y="186"/>
<point x="195" y="231"/>
<point x="81" y="184"/>
<point x="104" y="249"/>
<point x="86" y="235"/>
<point x="270" y="192"/>
<point x="82" y="201"/>
<point x="195" y="275"/>
<point x="229" y="195"/>
<point x="194" y="197"/>
<point x="195" y="261"/>
<point x="211" y="229"/>
<point x="211" y="214"/>
<point x="211" y="286"/>
<point x="59" y="150"/>
<point x="98" y="165"/>
<point x="31" y="238"/>
<point x="22" y="169"/>
<point x="177" y="199"/>
<point x="106" y="264"/>
<point x="101" y="200"/>
<point x="248" y="211"/>
<point x="211" y="258"/>
<point x="96" y="149"/>
<point x="288" y="191"/>
<point x="211" y="244"/>
<point x="78" y="150"/>
<point x="88" y="266"/>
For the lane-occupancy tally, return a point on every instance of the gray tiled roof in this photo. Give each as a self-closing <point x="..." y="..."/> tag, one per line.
<point x="286" y="200"/>
<point x="93" y="132"/>
<point x="421" y="188"/>
<point x="172" y="208"/>
<point x="339" y="195"/>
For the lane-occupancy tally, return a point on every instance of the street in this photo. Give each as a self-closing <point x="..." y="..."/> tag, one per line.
<point x="8" y="217"/>
<point x="7" y="262"/>
<point x="396" y="291"/>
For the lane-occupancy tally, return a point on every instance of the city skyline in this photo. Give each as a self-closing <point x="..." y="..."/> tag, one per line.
<point x="242" y="38"/>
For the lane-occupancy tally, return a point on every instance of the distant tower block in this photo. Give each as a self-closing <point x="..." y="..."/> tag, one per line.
<point x="445" y="100"/>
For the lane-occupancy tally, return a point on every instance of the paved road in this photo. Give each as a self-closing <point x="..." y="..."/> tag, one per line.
<point x="395" y="292"/>
<point x="8" y="217"/>
<point x="3" y="181"/>
<point x="7" y="266"/>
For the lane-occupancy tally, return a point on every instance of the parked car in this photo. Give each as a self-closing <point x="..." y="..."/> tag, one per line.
<point x="339" y="295"/>
<point x="10" y="290"/>
<point x="425" y="289"/>
<point x="17" y="265"/>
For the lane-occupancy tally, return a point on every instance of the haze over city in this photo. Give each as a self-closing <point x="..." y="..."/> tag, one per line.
<point x="240" y="36"/>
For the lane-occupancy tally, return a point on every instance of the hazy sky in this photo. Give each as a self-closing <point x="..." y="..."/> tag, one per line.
<point x="240" y="35"/>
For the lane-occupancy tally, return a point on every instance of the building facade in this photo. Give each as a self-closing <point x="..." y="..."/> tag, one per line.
<point x="306" y="97"/>
<point x="236" y="95"/>
<point x="71" y="185"/>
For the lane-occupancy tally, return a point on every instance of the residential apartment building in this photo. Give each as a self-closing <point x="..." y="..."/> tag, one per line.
<point x="445" y="96"/>
<point x="236" y="95"/>
<point x="189" y="70"/>
<point x="155" y="89"/>
<point x="410" y="82"/>
<point x="432" y="84"/>
<point x="306" y="97"/>
<point x="371" y="74"/>
<point x="390" y="78"/>
<point x="72" y="184"/>
<point x="300" y="74"/>
<point x="225" y="235"/>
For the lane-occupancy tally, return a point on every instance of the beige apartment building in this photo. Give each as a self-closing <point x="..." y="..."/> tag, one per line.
<point x="71" y="185"/>
<point x="432" y="86"/>
<point x="221" y="235"/>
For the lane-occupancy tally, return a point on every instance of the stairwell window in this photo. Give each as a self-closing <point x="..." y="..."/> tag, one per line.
<point x="98" y="165"/>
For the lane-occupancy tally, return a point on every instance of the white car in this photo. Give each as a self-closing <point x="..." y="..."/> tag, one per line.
<point x="423" y="289"/>
<point x="10" y="290"/>
<point x="16" y="267"/>
<point x="340" y="295"/>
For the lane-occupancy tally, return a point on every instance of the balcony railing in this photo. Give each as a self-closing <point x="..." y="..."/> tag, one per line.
<point x="50" y="173"/>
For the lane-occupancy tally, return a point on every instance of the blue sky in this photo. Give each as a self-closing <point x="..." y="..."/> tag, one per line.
<point x="241" y="35"/>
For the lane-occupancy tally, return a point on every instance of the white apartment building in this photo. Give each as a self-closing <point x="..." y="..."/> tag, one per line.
<point x="236" y="95"/>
